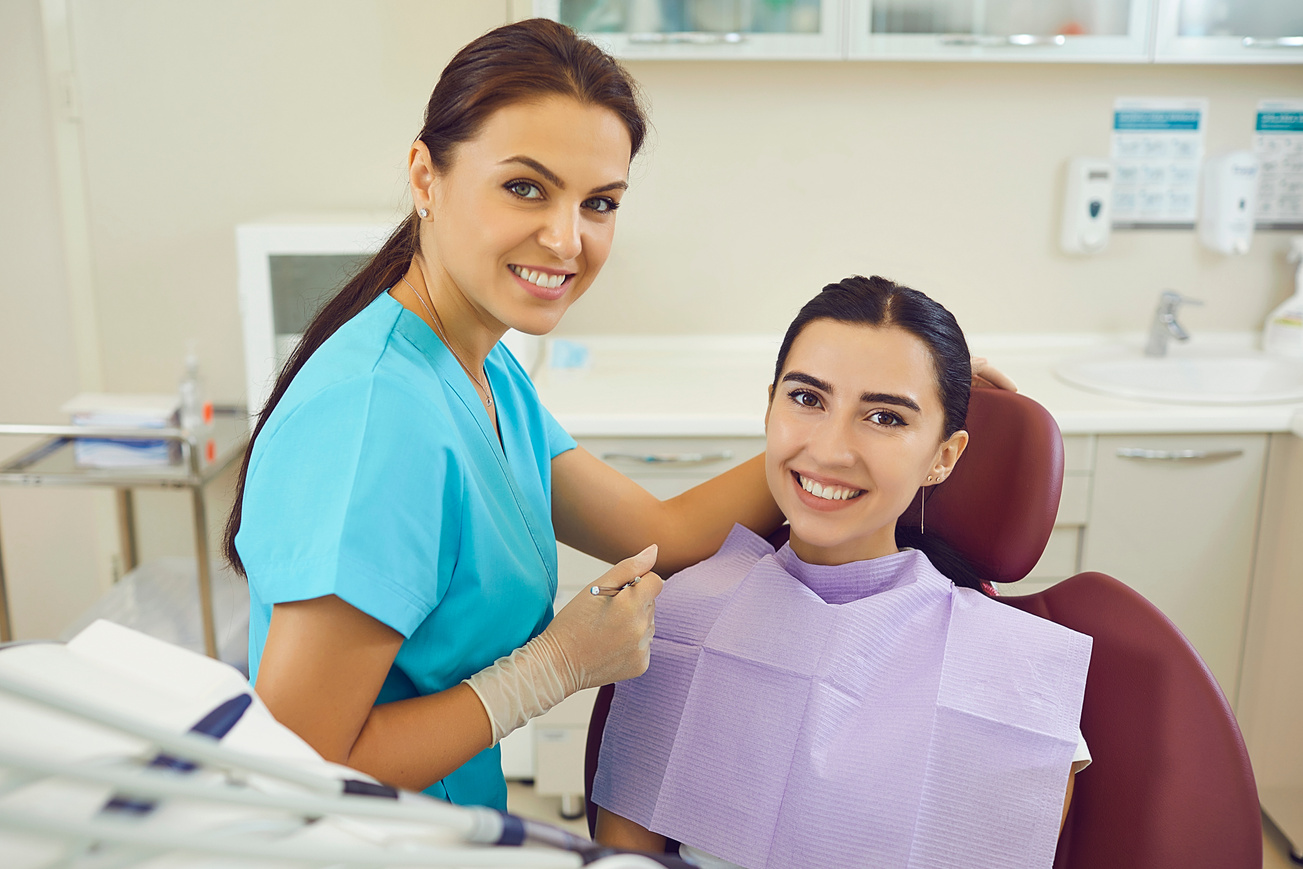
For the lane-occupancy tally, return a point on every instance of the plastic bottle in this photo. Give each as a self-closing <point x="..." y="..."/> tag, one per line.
<point x="1283" y="332"/>
<point x="196" y="410"/>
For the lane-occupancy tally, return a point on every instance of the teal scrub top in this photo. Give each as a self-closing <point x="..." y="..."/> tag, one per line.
<point x="378" y="478"/>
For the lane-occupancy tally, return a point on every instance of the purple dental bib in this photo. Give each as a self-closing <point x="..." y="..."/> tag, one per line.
<point x="868" y="714"/>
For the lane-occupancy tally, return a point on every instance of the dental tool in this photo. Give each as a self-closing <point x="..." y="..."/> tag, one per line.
<point x="612" y="590"/>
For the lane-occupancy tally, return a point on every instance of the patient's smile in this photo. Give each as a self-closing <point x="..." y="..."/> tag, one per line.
<point x="826" y="491"/>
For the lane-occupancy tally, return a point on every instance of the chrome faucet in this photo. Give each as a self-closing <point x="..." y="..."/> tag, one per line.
<point x="1165" y="326"/>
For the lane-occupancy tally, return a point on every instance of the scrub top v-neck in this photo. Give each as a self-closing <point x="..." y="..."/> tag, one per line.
<point x="379" y="478"/>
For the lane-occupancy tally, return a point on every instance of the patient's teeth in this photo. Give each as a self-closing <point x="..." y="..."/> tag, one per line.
<point x="828" y="493"/>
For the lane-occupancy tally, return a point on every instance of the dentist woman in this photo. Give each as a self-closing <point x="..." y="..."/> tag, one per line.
<point x="399" y="508"/>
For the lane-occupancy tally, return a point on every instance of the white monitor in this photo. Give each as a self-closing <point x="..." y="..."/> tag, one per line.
<point x="289" y="265"/>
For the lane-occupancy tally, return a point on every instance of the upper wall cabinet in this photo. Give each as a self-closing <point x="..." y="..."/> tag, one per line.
<point x="1005" y="30"/>
<point x="1229" y="31"/>
<point x="1099" y="31"/>
<point x="706" y="29"/>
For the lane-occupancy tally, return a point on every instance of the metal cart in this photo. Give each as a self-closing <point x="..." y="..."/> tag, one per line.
<point x="203" y="456"/>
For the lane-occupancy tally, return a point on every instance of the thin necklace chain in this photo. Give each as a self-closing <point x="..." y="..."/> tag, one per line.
<point x="438" y="329"/>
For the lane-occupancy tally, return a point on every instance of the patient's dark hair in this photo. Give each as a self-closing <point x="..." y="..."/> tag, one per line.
<point x="522" y="62"/>
<point x="877" y="301"/>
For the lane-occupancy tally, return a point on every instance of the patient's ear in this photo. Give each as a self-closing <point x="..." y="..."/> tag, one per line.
<point x="769" y="406"/>
<point x="948" y="454"/>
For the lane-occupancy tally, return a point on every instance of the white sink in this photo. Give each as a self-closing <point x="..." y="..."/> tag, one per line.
<point x="1204" y="377"/>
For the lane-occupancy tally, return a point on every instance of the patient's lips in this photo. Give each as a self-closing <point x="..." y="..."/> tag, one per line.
<point x="824" y="493"/>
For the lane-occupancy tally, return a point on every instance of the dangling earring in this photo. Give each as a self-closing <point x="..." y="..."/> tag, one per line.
<point x="424" y="212"/>
<point x="922" y="505"/>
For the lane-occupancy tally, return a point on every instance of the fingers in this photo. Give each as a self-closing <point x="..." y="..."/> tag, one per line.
<point x="642" y="562"/>
<point x="985" y="374"/>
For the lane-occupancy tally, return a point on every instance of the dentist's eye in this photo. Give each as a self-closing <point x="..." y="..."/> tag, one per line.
<point x="804" y="398"/>
<point x="524" y="189"/>
<point x="601" y="204"/>
<point x="885" y="417"/>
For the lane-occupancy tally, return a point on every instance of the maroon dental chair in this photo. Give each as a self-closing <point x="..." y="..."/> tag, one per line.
<point x="1170" y="785"/>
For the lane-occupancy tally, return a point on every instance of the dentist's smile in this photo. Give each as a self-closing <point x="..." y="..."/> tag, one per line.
<point x="548" y="284"/>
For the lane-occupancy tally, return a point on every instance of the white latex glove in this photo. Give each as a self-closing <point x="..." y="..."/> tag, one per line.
<point x="594" y="639"/>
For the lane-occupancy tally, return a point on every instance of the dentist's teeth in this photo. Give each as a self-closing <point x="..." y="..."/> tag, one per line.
<point x="539" y="279"/>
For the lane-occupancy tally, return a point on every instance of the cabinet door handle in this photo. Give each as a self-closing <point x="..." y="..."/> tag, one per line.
<point x="1278" y="42"/>
<point x="670" y="458"/>
<point x="1176" y="455"/>
<point x="686" y="38"/>
<point x="1015" y="40"/>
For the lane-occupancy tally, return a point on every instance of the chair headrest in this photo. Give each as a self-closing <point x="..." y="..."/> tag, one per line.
<point x="998" y="506"/>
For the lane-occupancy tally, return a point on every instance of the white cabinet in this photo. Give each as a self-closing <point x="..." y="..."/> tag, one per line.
<point x="1094" y="31"/>
<point x="665" y="467"/>
<point x="1173" y="516"/>
<point x="1216" y="31"/>
<point x="706" y="29"/>
<point x="1005" y="30"/>
<point x="1176" y="517"/>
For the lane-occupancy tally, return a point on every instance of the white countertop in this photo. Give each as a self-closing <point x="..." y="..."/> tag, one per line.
<point x="716" y="386"/>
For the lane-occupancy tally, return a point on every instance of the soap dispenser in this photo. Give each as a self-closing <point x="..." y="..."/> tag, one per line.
<point x="1283" y="332"/>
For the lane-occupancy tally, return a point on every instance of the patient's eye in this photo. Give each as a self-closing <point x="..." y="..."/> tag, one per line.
<point x="805" y="398"/>
<point x="885" y="417"/>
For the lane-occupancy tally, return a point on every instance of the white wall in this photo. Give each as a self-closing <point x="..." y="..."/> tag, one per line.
<point x="761" y="182"/>
<point x="48" y="535"/>
<point x="767" y="180"/>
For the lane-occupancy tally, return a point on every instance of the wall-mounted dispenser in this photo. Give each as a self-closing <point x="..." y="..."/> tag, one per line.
<point x="1087" y="211"/>
<point x="1228" y="202"/>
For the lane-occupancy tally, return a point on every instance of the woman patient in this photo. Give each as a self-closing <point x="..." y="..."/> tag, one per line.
<point x="853" y="699"/>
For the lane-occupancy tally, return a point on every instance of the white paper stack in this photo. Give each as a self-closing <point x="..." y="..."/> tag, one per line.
<point x="124" y="411"/>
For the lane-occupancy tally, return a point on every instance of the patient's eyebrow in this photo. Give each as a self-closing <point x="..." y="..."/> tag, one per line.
<point x="555" y="179"/>
<point x="865" y="397"/>
<point x="808" y="380"/>
<point x="888" y="398"/>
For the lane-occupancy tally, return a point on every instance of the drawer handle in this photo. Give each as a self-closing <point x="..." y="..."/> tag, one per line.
<point x="1176" y="455"/>
<point x="1281" y="42"/>
<point x="1016" y="40"/>
<point x="686" y="38"/>
<point x="671" y="458"/>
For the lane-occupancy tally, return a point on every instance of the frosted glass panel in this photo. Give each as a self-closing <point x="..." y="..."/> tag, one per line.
<point x="1261" y="18"/>
<point x="301" y="283"/>
<point x="692" y="16"/>
<point x="1003" y="17"/>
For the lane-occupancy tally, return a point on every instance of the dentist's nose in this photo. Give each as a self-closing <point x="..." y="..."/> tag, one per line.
<point x="560" y="234"/>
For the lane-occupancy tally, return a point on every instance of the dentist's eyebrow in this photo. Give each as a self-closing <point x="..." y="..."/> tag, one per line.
<point x="555" y="179"/>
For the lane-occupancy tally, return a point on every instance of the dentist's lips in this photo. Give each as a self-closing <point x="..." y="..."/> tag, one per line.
<point x="846" y="495"/>
<point x="547" y="284"/>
